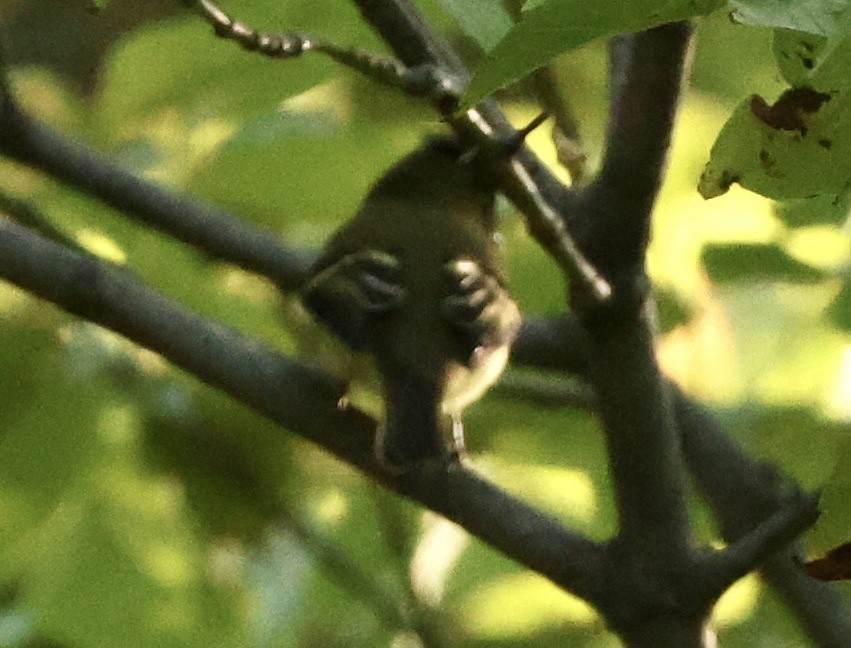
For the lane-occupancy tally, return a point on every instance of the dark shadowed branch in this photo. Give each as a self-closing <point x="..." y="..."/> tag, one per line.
<point x="271" y="384"/>
<point x="654" y="536"/>
<point x="26" y="214"/>
<point x="214" y="231"/>
<point x="742" y="492"/>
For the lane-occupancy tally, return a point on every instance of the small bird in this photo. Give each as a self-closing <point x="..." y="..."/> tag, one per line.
<point x="414" y="281"/>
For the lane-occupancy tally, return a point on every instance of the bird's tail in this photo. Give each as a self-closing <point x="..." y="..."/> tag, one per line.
<point x="412" y="430"/>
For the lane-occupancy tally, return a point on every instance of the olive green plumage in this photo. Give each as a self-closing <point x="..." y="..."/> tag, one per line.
<point x="414" y="280"/>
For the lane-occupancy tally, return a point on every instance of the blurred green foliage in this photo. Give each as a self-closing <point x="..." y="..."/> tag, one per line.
<point x="140" y="508"/>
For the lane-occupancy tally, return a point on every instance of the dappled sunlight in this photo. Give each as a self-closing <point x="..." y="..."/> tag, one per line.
<point x="179" y="145"/>
<point x="440" y="545"/>
<point x="331" y="507"/>
<point x="820" y="246"/>
<point x="683" y="221"/>
<point x="686" y="222"/>
<point x="738" y="603"/>
<point x="119" y="426"/>
<point x="205" y="137"/>
<point x="100" y="245"/>
<point x="837" y="401"/>
<point x="784" y="351"/>
<point x="139" y="504"/>
<point x="519" y="604"/>
<point x="331" y="98"/>
<point x="13" y="300"/>
<point x="169" y="565"/>
<point x="700" y="355"/>
<point x="145" y="498"/>
<point x="566" y="491"/>
<point x="43" y="91"/>
<point x="244" y="285"/>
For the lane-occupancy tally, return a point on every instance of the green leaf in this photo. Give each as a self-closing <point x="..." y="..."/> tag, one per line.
<point x="840" y="310"/>
<point x="797" y="54"/>
<point x="797" y="158"/>
<point x="485" y="21"/>
<point x="823" y="209"/>
<point x="819" y="17"/>
<point x="834" y="526"/>
<point x="671" y="308"/>
<point x="755" y="262"/>
<point x="552" y="27"/>
<point x="799" y="146"/>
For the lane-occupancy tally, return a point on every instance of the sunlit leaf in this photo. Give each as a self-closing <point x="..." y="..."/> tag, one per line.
<point x="799" y="146"/>
<point x="552" y="27"/>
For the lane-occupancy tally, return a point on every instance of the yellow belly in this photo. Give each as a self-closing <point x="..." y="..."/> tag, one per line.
<point x="465" y="386"/>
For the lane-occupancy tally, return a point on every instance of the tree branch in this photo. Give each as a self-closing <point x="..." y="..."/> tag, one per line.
<point x="743" y="493"/>
<point x="614" y="217"/>
<point x="340" y="567"/>
<point x="766" y="539"/>
<point x="568" y="143"/>
<point x="634" y="403"/>
<point x="271" y="384"/>
<point x="208" y="228"/>
<point x="26" y="214"/>
<point x="401" y="25"/>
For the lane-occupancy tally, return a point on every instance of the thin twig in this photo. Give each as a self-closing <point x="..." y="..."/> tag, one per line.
<point x="340" y="567"/>
<point x="426" y="80"/>
<point x="768" y="538"/>
<point x="425" y="620"/>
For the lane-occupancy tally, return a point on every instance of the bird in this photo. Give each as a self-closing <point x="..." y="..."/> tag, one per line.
<point x="415" y="282"/>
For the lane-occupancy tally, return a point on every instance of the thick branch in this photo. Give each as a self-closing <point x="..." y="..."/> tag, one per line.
<point x="771" y="536"/>
<point x="742" y="492"/>
<point x="642" y="442"/>
<point x="295" y="397"/>
<point x="647" y="73"/>
<point x="634" y="403"/>
<point x="401" y="25"/>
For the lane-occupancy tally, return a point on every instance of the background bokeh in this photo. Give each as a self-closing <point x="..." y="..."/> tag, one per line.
<point x="140" y="508"/>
